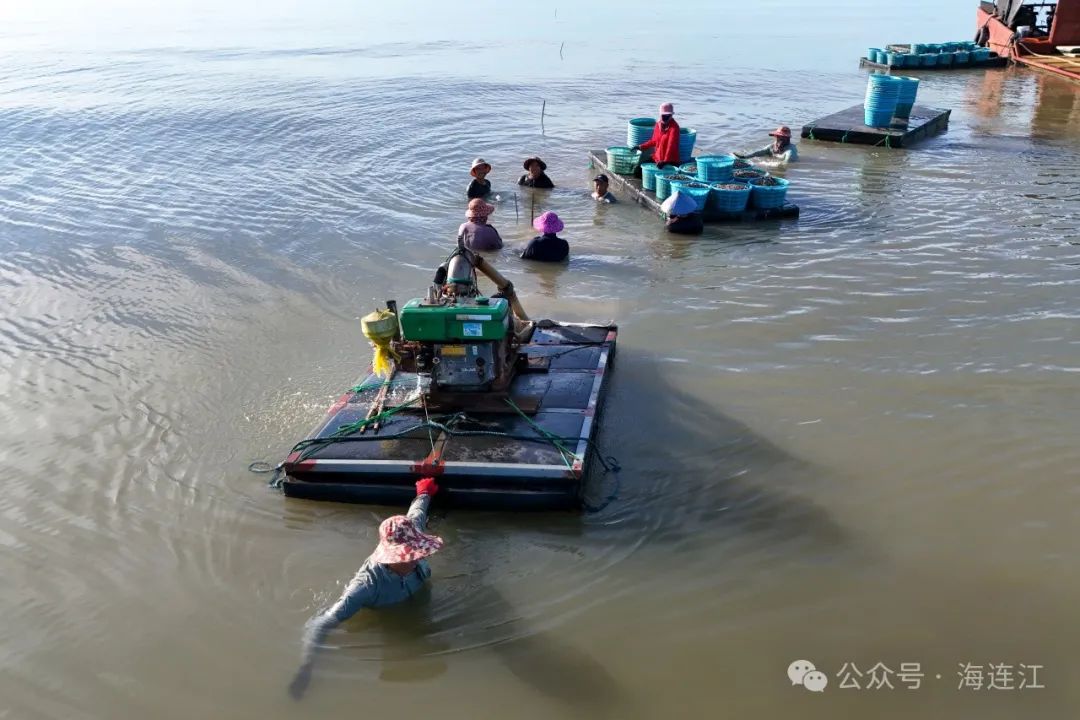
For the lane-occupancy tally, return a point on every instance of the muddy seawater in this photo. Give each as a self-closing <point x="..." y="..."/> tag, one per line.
<point x="849" y="439"/>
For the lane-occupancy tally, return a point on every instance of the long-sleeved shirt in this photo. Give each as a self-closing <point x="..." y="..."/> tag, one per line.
<point x="478" y="188"/>
<point x="546" y="248"/>
<point x="543" y="181"/>
<point x="374" y="586"/>
<point x="787" y="155"/>
<point x="666" y="142"/>
<point x="479" y="236"/>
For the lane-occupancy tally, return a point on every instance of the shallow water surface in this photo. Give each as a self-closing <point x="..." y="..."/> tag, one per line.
<point x="846" y="439"/>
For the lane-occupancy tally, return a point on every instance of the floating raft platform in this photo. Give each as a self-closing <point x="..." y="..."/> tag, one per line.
<point x="631" y="185"/>
<point x="847" y="126"/>
<point x="495" y="457"/>
<point x="994" y="61"/>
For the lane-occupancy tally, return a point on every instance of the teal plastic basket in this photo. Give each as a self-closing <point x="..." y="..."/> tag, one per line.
<point x="740" y="163"/>
<point x="687" y="138"/>
<point x="961" y="57"/>
<point x="715" y="168"/>
<point x="723" y="198"/>
<point x="693" y="188"/>
<point x="648" y="176"/>
<point x="639" y="130"/>
<point x="663" y="182"/>
<point x="622" y="160"/>
<point x="689" y="168"/>
<point x="747" y="174"/>
<point x="768" y="197"/>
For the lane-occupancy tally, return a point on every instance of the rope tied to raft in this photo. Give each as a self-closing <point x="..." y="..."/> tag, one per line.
<point x="609" y="463"/>
<point x="447" y="424"/>
<point x="261" y="467"/>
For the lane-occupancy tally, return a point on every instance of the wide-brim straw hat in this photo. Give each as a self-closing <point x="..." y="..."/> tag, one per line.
<point x="400" y="541"/>
<point x="549" y="222"/>
<point x="479" y="162"/>
<point x="783" y="132"/>
<point x="679" y="204"/>
<point x="479" y="208"/>
<point x="528" y="161"/>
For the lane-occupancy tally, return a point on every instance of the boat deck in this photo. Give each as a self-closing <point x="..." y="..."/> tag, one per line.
<point x="1061" y="65"/>
<point x="847" y="126"/>
<point x="631" y="185"/>
<point x="494" y="458"/>
<point x="995" y="61"/>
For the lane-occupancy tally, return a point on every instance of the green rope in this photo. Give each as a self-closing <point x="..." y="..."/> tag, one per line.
<point x="564" y="452"/>
<point x="359" y="425"/>
<point x="375" y="386"/>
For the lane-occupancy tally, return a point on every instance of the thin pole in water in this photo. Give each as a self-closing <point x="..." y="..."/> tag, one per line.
<point x="543" y="109"/>
<point x="517" y="216"/>
<point x="560" y="49"/>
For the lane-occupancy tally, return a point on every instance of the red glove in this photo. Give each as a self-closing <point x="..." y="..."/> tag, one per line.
<point x="426" y="486"/>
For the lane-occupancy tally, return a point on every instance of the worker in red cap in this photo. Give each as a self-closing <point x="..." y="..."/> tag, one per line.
<point x="780" y="150"/>
<point x="393" y="573"/>
<point x="665" y="138"/>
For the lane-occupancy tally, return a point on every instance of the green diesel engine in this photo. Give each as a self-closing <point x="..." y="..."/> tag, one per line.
<point x="463" y="343"/>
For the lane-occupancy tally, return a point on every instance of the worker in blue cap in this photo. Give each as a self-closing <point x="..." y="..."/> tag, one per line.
<point x="600" y="190"/>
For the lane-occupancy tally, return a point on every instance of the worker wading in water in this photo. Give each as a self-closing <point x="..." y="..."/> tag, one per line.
<point x="393" y="573"/>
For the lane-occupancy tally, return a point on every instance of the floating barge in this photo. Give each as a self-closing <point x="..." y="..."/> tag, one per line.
<point x="1041" y="35"/>
<point x="847" y="126"/>
<point x="631" y="185"/>
<point x="500" y="455"/>
<point x="995" y="61"/>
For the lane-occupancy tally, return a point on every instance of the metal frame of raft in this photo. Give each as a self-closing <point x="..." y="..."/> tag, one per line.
<point x="499" y="459"/>
<point x="991" y="62"/>
<point x="631" y="185"/>
<point x="847" y="126"/>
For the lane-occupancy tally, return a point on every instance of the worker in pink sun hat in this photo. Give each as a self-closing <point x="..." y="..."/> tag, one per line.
<point x="393" y="573"/>
<point x="665" y="138"/>
<point x="781" y="149"/>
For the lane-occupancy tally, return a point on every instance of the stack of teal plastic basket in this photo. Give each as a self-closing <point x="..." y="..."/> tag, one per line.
<point x="687" y="138"/>
<point x="950" y="54"/>
<point x="882" y="94"/>
<point x="909" y="88"/>
<point x="639" y="130"/>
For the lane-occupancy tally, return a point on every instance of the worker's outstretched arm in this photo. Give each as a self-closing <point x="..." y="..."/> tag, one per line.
<point x="425" y="488"/>
<point x="359" y="593"/>
<point x="763" y="152"/>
